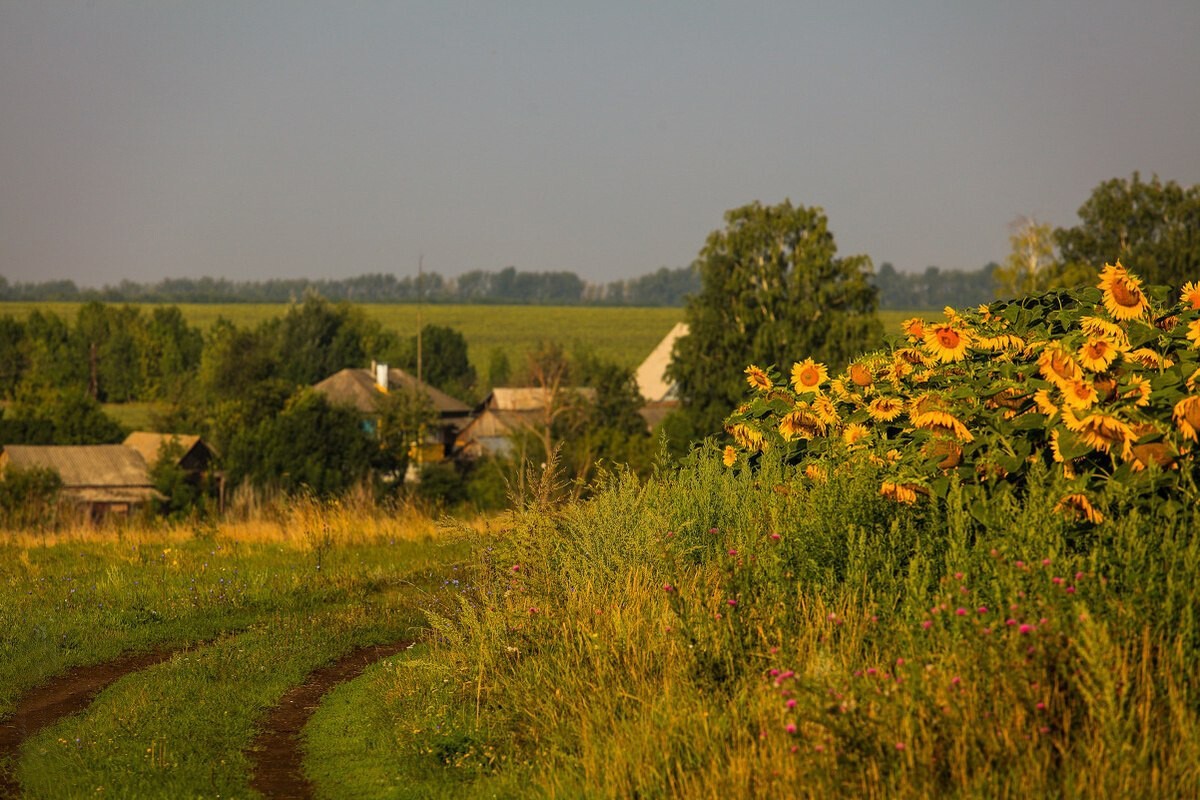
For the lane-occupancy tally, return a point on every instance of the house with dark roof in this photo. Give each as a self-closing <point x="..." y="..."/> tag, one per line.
<point x="191" y="454"/>
<point x="103" y="479"/>
<point x="364" y="390"/>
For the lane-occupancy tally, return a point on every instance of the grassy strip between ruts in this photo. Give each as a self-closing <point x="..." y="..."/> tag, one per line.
<point x="179" y="729"/>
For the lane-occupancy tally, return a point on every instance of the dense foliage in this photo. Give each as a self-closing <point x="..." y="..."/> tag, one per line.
<point x="772" y="284"/>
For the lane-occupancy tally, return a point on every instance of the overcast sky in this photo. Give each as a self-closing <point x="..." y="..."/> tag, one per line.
<point x="251" y="139"/>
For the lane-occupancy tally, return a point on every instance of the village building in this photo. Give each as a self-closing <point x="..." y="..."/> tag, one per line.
<point x="103" y="479"/>
<point x="657" y="390"/>
<point x="364" y="390"/>
<point x="507" y="411"/>
<point x="191" y="454"/>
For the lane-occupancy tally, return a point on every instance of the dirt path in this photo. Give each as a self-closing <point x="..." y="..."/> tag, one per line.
<point x="275" y="757"/>
<point x="65" y="694"/>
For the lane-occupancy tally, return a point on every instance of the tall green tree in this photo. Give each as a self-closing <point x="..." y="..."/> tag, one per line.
<point x="1152" y="227"/>
<point x="444" y="361"/>
<point x="773" y="290"/>
<point x="1030" y="264"/>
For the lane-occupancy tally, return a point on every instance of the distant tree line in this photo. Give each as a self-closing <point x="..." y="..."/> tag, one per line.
<point x="664" y="287"/>
<point x="935" y="288"/>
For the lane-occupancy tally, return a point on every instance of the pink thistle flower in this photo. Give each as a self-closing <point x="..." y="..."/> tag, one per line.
<point x="1078" y="575"/>
<point x="1056" y="580"/>
<point x="962" y="612"/>
<point x="772" y="650"/>
<point x="926" y="624"/>
<point x="717" y="615"/>
<point x="819" y="748"/>
<point x="668" y="587"/>
<point x="1044" y="729"/>
<point x="773" y="673"/>
<point x="516" y="567"/>
<point x="871" y="670"/>
<point x="732" y="552"/>
<point x="712" y="530"/>
<point x="958" y="576"/>
<point x="533" y="611"/>
<point x="790" y="727"/>
<point x="1045" y="562"/>
<point x="1010" y="622"/>
<point x="986" y="631"/>
<point x="982" y="609"/>
<point x="791" y="703"/>
<point x="795" y="748"/>
<point x="1026" y="628"/>
<point x="775" y="536"/>
<point x="1070" y="590"/>
<point x="994" y="552"/>
<point x="874" y="618"/>
<point x="1041" y="706"/>
<point x="899" y="662"/>
<point x="899" y="745"/>
<point x="1019" y="564"/>
<point x="731" y="602"/>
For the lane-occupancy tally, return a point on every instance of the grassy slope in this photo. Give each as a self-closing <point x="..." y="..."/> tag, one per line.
<point x="867" y="651"/>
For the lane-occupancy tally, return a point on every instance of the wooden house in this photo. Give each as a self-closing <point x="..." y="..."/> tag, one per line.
<point x="364" y="391"/>
<point x="505" y="412"/>
<point x="104" y="479"/>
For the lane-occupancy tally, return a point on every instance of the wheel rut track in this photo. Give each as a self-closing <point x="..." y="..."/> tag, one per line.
<point x="62" y="696"/>
<point x="275" y="756"/>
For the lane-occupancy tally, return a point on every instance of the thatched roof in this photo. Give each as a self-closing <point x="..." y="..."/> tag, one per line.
<point x="357" y="388"/>
<point x="651" y="376"/>
<point x="100" y="473"/>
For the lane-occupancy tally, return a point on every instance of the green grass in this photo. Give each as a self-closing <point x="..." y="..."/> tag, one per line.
<point x="878" y="632"/>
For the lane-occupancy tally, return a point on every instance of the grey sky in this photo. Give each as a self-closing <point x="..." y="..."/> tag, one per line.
<point x="251" y="139"/>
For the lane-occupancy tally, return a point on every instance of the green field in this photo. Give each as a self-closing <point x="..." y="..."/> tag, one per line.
<point x="623" y="335"/>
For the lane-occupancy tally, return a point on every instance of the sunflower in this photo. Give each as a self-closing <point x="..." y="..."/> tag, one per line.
<point x="1100" y="431"/>
<point x="860" y="374"/>
<point x="1192" y="380"/>
<point x="808" y="375"/>
<point x="854" y="433"/>
<point x="1187" y="416"/>
<point x="1150" y="359"/>
<point x="1189" y="296"/>
<point x="1151" y="448"/>
<point x="943" y="422"/>
<point x="1138" y="391"/>
<point x="1000" y="343"/>
<point x="1057" y="366"/>
<point x="800" y="423"/>
<point x="1123" y="296"/>
<point x="729" y="455"/>
<point x="823" y="407"/>
<point x="1098" y="354"/>
<point x="749" y="438"/>
<point x="1079" y="394"/>
<point x="947" y="452"/>
<point x="947" y="343"/>
<point x="1193" y="333"/>
<point x="914" y="329"/>
<point x="815" y="473"/>
<point x="757" y="378"/>
<point x="901" y="493"/>
<point x="1078" y="506"/>
<point x="885" y="409"/>
<point x="1044" y="404"/>
<point x="1095" y="326"/>
<point x="837" y="387"/>
<point x="899" y="370"/>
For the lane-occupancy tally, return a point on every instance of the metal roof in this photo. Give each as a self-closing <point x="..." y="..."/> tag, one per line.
<point x="95" y="466"/>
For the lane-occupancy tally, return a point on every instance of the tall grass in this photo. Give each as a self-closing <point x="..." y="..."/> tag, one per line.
<point x="716" y="633"/>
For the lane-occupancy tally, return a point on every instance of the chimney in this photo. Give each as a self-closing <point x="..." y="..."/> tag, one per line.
<point x="381" y="377"/>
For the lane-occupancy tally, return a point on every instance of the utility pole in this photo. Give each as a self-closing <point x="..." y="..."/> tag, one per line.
<point x="420" y="298"/>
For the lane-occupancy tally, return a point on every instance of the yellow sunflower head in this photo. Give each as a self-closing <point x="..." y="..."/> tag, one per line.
<point x="825" y="410"/>
<point x="1150" y="359"/>
<point x="1077" y="506"/>
<point x="904" y="494"/>
<point x="749" y="438"/>
<point x="1097" y="354"/>
<point x="1101" y="431"/>
<point x="815" y="473"/>
<point x="729" y="456"/>
<point x="943" y="422"/>
<point x="1138" y="391"/>
<point x="800" y="423"/>
<point x="1193" y="332"/>
<point x="854" y="433"/>
<point x="1123" y="295"/>
<point x="1057" y="366"/>
<point x="860" y="374"/>
<point x="1102" y="328"/>
<point x="808" y="375"/>
<point x="885" y="409"/>
<point x="1079" y="394"/>
<point x="1044" y="404"/>
<point x="1187" y="416"/>
<point x="1189" y="296"/>
<point x="947" y="342"/>
<point x="757" y="378"/>
<point x="914" y="329"/>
